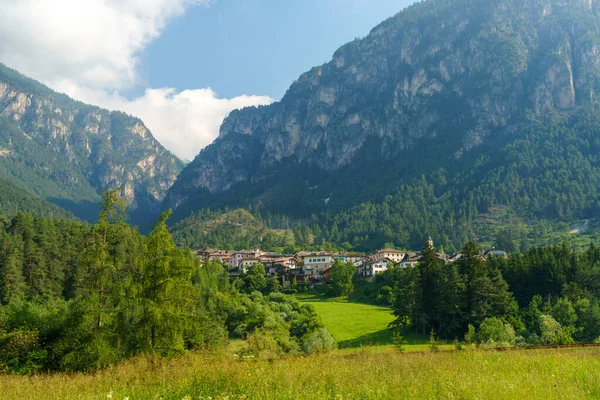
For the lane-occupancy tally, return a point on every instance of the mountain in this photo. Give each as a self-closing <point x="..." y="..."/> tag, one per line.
<point x="14" y="199"/>
<point x="442" y="113"/>
<point x="66" y="153"/>
<point x="232" y="230"/>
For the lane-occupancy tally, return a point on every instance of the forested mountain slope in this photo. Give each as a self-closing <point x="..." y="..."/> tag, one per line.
<point x="14" y="199"/>
<point x="442" y="112"/>
<point x="67" y="152"/>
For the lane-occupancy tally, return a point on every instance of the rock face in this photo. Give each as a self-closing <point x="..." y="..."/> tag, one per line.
<point x="75" y="151"/>
<point x="451" y="74"/>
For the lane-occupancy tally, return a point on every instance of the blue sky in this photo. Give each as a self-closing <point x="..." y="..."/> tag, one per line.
<point x="180" y="65"/>
<point x="257" y="46"/>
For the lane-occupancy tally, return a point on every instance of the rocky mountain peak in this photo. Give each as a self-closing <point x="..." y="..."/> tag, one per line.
<point x="446" y="75"/>
<point x="82" y="150"/>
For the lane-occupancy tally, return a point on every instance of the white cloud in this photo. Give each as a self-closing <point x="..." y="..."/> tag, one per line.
<point x="183" y="122"/>
<point x="90" y="50"/>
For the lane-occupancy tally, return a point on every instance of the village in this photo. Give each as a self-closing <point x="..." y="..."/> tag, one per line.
<point x="315" y="267"/>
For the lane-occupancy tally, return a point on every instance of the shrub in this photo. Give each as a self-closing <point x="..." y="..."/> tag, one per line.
<point x="399" y="341"/>
<point x="385" y="296"/>
<point x="433" y="345"/>
<point x="263" y="345"/>
<point x="495" y="333"/>
<point x="553" y="332"/>
<point x="320" y="340"/>
<point x="471" y="335"/>
<point x="20" y="352"/>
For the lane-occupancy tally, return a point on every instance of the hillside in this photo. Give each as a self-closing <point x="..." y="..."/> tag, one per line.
<point x="443" y="112"/>
<point x="66" y="152"/>
<point x="231" y="230"/>
<point x="14" y="199"/>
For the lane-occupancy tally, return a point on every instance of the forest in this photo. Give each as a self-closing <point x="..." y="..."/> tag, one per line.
<point x="546" y="296"/>
<point x="79" y="297"/>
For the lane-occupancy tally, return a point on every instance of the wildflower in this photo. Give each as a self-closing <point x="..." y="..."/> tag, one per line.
<point x="109" y="395"/>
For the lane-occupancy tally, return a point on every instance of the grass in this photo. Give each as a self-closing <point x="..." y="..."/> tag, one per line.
<point x="355" y="325"/>
<point x="539" y="374"/>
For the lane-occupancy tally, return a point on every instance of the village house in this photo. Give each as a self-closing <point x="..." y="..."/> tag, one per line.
<point x="204" y="253"/>
<point x="238" y="256"/>
<point x="391" y="254"/>
<point x="315" y="264"/>
<point x="357" y="259"/>
<point x="410" y="260"/>
<point x="279" y="266"/>
<point x="454" y="257"/>
<point x="369" y="270"/>
<point x="223" y="256"/>
<point x="495" y="253"/>
<point x="342" y="257"/>
<point x="246" y="263"/>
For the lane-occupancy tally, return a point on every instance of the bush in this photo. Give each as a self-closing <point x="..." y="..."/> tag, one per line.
<point x="471" y="335"/>
<point x="399" y="341"/>
<point x="20" y="352"/>
<point x="493" y="332"/>
<point x="318" y="341"/>
<point x="533" y="340"/>
<point x="553" y="333"/>
<point x="385" y="296"/>
<point x="263" y="345"/>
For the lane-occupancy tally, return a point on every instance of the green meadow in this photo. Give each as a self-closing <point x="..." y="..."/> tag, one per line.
<point x="367" y="366"/>
<point x="356" y="325"/>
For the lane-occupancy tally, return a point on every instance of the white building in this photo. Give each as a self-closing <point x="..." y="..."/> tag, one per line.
<point x="410" y="260"/>
<point x="238" y="256"/>
<point x="315" y="264"/>
<point x="391" y="254"/>
<point x="357" y="259"/>
<point x="246" y="263"/>
<point x="373" y="268"/>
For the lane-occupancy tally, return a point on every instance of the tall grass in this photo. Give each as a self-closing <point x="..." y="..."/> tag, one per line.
<point x="540" y="374"/>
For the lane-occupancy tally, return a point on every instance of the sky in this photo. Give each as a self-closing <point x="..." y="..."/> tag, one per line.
<point x="180" y="65"/>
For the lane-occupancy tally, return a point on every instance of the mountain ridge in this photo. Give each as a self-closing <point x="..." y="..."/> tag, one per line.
<point x="438" y="100"/>
<point x="67" y="152"/>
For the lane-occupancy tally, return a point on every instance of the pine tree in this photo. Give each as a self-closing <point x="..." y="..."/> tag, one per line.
<point x="274" y="285"/>
<point x="167" y="297"/>
<point x="91" y="340"/>
<point x="430" y="282"/>
<point x="12" y="284"/>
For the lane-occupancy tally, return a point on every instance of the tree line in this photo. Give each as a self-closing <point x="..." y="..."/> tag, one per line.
<point x="547" y="295"/>
<point x="79" y="297"/>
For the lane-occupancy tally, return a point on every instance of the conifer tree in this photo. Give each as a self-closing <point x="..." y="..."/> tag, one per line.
<point x="167" y="298"/>
<point x="12" y="284"/>
<point x="91" y="339"/>
<point x="430" y="280"/>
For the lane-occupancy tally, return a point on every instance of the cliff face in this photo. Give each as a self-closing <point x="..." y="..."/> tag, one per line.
<point x="75" y="151"/>
<point x="449" y="73"/>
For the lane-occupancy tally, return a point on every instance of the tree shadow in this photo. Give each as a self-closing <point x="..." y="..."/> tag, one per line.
<point x="379" y="338"/>
<point x="85" y="210"/>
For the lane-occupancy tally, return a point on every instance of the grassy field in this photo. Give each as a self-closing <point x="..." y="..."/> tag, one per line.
<point x="355" y="325"/>
<point x="540" y="374"/>
<point x="356" y="371"/>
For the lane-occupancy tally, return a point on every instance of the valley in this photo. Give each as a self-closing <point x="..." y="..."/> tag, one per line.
<point x="416" y="218"/>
